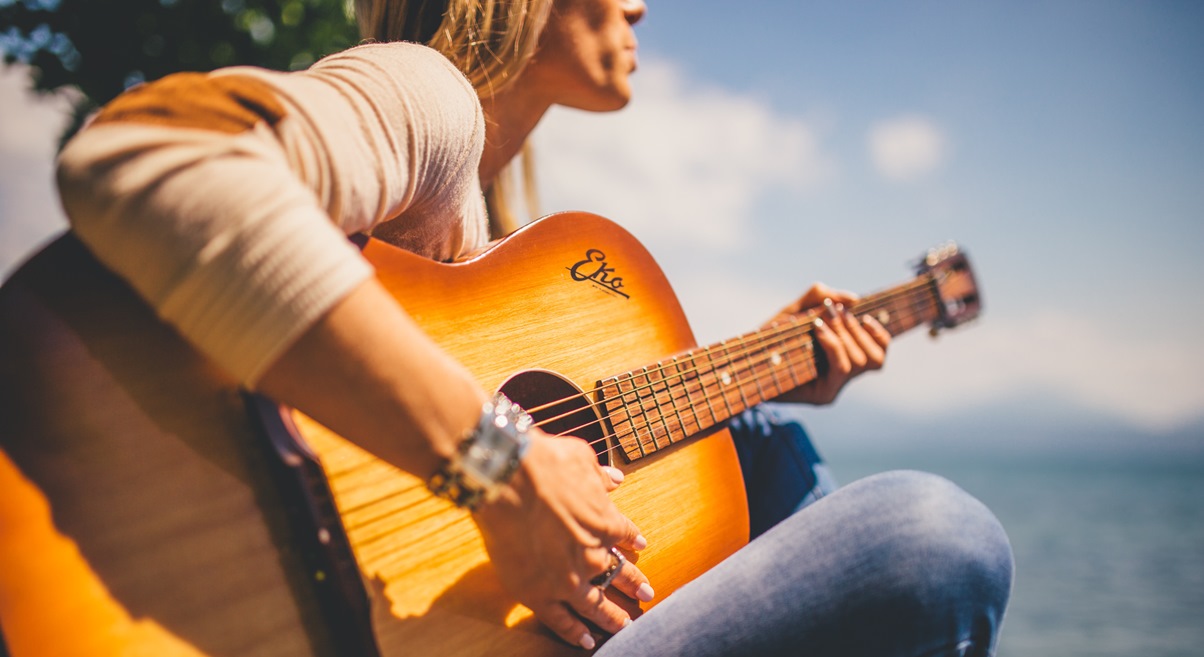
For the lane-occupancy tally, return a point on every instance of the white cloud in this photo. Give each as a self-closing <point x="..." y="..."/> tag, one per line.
<point x="906" y="148"/>
<point x="686" y="164"/>
<point x="681" y="161"/>
<point x="29" y="131"/>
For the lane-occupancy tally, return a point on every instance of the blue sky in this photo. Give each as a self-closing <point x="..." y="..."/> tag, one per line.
<point x="1061" y="143"/>
<point x="772" y="144"/>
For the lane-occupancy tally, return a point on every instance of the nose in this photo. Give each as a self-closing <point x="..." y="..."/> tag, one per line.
<point x="634" y="10"/>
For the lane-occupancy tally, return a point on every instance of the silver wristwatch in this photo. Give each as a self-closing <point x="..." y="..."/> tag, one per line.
<point x="487" y="457"/>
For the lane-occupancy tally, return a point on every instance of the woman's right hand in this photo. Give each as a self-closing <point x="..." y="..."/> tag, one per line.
<point x="550" y="532"/>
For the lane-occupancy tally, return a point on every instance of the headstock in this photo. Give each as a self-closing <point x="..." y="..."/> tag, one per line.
<point x="957" y="297"/>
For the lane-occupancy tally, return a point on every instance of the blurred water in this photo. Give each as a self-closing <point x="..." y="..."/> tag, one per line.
<point x="1109" y="554"/>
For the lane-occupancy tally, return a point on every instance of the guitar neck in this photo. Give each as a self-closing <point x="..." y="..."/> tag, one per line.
<point x="655" y="406"/>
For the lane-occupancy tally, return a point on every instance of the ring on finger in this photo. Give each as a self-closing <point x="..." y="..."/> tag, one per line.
<point x="616" y="564"/>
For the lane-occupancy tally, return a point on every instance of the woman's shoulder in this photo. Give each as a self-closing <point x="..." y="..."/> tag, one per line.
<point x="397" y="60"/>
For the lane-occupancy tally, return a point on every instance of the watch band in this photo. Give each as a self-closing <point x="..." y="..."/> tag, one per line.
<point x="487" y="457"/>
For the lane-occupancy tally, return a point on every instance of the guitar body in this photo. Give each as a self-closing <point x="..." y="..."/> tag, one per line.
<point x="138" y="514"/>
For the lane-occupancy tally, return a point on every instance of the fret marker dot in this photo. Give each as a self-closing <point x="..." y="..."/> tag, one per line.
<point x="725" y="378"/>
<point x="775" y="358"/>
<point x="883" y="317"/>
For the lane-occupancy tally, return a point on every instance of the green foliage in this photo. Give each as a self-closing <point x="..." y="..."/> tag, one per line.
<point x="102" y="47"/>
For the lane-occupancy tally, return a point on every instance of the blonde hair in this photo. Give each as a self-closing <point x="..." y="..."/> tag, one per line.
<point x="490" y="41"/>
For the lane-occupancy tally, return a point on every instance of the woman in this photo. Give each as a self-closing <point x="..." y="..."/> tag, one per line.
<point x="224" y="198"/>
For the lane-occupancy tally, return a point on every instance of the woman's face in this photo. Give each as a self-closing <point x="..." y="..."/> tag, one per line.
<point x="586" y="52"/>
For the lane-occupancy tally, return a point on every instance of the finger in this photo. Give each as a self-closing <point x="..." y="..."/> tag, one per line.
<point x="834" y="349"/>
<point x="632" y="582"/>
<point x="870" y="340"/>
<point x="876" y="329"/>
<point x="838" y="321"/>
<point x="565" y="624"/>
<point x="611" y="477"/>
<point x="597" y="561"/>
<point x="629" y="536"/>
<point x="872" y="353"/>
<point x="817" y="293"/>
<point x="607" y="527"/>
<point x="596" y="608"/>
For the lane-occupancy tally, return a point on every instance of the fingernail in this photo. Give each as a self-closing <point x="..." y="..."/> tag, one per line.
<point x="616" y="475"/>
<point x="639" y="543"/>
<point x="819" y="323"/>
<point x="645" y="593"/>
<point x="587" y="641"/>
<point x="626" y="622"/>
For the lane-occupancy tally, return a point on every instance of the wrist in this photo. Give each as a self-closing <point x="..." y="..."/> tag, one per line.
<point x="487" y="458"/>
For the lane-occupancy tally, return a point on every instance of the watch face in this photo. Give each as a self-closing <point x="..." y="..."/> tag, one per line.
<point x="488" y="458"/>
<point x="483" y="463"/>
<point x="496" y="446"/>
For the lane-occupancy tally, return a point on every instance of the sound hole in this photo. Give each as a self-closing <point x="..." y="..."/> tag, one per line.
<point x="558" y="407"/>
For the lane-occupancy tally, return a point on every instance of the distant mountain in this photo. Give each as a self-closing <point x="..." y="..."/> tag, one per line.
<point x="1038" y="427"/>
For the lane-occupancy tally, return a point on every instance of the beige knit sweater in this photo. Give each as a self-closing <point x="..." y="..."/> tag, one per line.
<point x="225" y="199"/>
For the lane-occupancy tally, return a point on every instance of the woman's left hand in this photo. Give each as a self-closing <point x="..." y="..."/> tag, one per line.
<point x="852" y="345"/>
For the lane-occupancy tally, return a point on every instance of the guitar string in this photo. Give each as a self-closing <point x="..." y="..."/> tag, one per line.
<point x="700" y="374"/>
<point x="907" y="290"/>
<point x="365" y="483"/>
<point x="736" y="373"/>
<point x="669" y="372"/>
<point x="795" y="330"/>
<point x="392" y="563"/>
<point x="635" y="433"/>
<point x="390" y="514"/>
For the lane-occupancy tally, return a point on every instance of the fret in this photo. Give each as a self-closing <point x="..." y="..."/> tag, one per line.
<point x="792" y="332"/>
<point x="639" y="415"/>
<point x="658" y="404"/>
<point x="776" y="360"/>
<point x="722" y="379"/>
<point x="670" y="413"/>
<point x="746" y="373"/>
<point x="686" y="379"/>
<point x="643" y="389"/>
<point x="734" y="378"/>
<point x="644" y="406"/>
<point x="773" y="361"/>
<point x="805" y="340"/>
<point x="752" y="368"/>
<point x="617" y="412"/>
<point x="710" y="402"/>
<point x="674" y="385"/>
<point x="631" y="402"/>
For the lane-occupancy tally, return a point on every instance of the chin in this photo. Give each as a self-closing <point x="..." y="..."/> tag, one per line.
<point x="612" y="100"/>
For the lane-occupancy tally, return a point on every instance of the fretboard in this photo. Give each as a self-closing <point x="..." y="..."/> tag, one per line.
<point x="653" y="407"/>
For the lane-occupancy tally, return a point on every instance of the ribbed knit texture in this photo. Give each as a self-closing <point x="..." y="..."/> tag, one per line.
<point x="239" y="240"/>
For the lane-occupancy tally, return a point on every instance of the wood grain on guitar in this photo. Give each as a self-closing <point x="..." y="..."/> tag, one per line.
<point x="138" y="514"/>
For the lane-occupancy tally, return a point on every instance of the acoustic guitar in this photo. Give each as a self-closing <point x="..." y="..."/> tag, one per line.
<point x="149" y="507"/>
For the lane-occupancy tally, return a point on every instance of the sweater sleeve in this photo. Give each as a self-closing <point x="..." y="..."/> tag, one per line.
<point x="191" y="190"/>
<point x="216" y="235"/>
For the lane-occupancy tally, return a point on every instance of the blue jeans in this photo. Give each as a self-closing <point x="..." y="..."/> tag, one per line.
<point x="782" y="470"/>
<point x="900" y="563"/>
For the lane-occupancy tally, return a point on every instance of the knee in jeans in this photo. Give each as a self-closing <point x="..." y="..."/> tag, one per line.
<point x="948" y="544"/>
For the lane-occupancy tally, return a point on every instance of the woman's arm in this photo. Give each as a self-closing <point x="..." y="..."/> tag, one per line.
<point x="228" y="244"/>
<point x="366" y="371"/>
